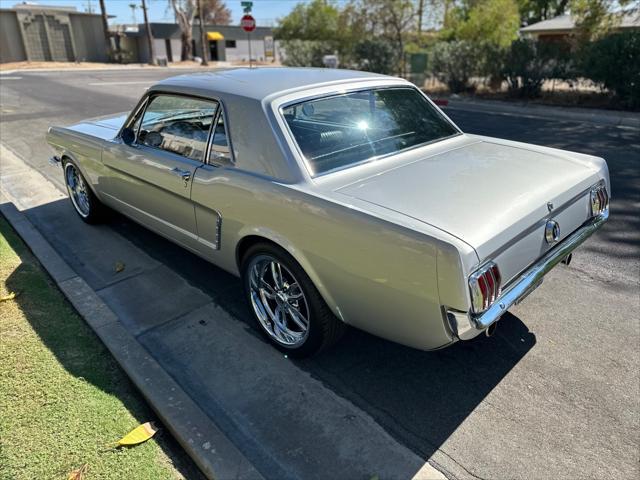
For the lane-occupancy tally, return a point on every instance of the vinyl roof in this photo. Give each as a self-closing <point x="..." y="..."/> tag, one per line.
<point x="259" y="83"/>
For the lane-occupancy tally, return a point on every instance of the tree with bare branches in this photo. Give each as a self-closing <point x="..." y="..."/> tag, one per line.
<point x="215" y="12"/>
<point x="185" y="11"/>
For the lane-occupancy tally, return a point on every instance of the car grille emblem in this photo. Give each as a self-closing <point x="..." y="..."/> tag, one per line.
<point x="552" y="232"/>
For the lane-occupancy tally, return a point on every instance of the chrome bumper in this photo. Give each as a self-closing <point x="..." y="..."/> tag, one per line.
<point x="528" y="281"/>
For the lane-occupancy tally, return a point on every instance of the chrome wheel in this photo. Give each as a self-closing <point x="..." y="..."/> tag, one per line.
<point x="278" y="301"/>
<point x="78" y="190"/>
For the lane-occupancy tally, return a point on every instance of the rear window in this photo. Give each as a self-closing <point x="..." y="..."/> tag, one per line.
<point x="344" y="130"/>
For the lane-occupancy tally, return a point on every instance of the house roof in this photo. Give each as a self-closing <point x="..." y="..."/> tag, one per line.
<point x="259" y="83"/>
<point x="37" y="9"/>
<point x="565" y="23"/>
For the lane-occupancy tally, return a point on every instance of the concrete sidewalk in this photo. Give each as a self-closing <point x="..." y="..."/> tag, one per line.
<point x="534" y="110"/>
<point x="237" y="406"/>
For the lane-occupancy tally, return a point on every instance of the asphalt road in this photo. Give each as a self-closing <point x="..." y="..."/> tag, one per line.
<point x="555" y="394"/>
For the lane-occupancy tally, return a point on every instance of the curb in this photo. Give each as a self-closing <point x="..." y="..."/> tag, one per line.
<point x="210" y="449"/>
<point x="613" y="118"/>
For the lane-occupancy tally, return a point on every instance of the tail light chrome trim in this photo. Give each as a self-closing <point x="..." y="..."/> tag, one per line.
<point x="485" y="286"/>
<point x="599" y="199"/>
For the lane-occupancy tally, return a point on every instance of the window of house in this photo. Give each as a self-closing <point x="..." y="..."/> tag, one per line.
<point x="230" y="44"/>
<point x="177" y="124"/>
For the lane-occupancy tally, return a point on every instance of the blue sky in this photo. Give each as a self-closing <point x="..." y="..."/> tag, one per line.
<point x="265" y="11"/>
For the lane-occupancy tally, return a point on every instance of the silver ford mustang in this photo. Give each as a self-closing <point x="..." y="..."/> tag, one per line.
<point x="340" y="198"/>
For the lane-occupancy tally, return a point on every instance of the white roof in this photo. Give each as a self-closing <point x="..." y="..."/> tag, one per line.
<point x="566" y="23"/>
<point x="259" y="83"/>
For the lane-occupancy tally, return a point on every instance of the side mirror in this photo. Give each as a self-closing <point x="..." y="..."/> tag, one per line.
<point x="128" y="136"/>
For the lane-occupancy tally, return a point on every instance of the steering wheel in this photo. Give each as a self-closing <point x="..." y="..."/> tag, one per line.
<point x="185" y="128"/>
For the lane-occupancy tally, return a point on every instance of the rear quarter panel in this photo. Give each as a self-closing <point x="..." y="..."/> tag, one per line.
<point x="377" y="276"/>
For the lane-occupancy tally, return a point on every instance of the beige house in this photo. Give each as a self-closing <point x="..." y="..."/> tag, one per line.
<point x="48" y="33"/>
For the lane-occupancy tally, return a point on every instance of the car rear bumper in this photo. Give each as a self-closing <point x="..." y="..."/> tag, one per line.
<point x="467" y="325"/>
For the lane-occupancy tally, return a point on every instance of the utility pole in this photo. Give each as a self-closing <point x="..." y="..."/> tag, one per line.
<point x="105" y="26"/>
<point x="147" y="27"/>
<point x="203" y="37"/>
<point x="420" y="14"/>
<point x="446" y="14"/>
<point x="133" y="7"/>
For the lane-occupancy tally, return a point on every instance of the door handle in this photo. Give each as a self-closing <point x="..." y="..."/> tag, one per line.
<point x="184" y="174"/>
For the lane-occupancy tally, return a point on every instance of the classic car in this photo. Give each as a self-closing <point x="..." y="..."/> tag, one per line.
<point x="340" y="198"/>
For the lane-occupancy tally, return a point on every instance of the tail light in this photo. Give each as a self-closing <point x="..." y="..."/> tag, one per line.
<point x="485" y="286"/>
<point x="599" y="199"/>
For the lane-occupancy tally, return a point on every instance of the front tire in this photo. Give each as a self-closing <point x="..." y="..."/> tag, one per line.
<point x="286" y="305"/>
<point x="84" y="201"/>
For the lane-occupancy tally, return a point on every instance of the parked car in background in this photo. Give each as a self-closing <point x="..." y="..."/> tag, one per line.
<point x="340" y="198"/>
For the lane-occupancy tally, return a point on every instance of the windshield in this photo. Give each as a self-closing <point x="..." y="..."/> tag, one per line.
<point x="343" y="130"/>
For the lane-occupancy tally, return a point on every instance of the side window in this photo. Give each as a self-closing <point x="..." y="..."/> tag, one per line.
<point x="220" y="143"/>
<point x="177" y="124"/>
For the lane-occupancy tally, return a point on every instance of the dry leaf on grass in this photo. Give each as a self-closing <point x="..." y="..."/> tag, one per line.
<point x="138" y="435"/>
<point x="10" y="296"/>
<point x="78" y="473"/>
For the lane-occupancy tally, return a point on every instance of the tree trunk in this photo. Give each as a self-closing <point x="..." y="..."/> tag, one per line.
<point x="105" y="26"/>
<point x="186" y="52"/>
<point x="184" y="19"/>
<point x="147" y="27"/>
<point x="203" y="36"/>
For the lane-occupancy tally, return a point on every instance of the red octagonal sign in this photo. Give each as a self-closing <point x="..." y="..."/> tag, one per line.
<point x="248" y="23"/>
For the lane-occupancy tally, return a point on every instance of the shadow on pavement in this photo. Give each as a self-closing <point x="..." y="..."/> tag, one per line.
<point x="419" y="397"/>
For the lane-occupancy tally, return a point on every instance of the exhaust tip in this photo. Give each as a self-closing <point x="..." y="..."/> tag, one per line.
<point x="491" y="329"/>
<point x="567" y="259"/>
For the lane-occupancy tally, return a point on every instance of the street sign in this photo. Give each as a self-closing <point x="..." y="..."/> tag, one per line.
<point x="268" y="47"/>
<point x="246" y="6"/>
<point x="248" y="23"/>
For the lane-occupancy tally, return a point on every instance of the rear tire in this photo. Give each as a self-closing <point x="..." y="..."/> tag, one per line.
<point x="84" y="201"/>
<point x="286" y="305"/>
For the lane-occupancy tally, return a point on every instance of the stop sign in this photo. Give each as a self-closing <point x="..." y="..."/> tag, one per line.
<point x="248" y="23"/>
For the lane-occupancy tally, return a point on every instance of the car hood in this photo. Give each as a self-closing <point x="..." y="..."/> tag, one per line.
<point x="484" y="193"/>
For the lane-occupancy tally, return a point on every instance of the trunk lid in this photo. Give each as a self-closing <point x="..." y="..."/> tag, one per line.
<point x="493" y="196"/>
<point x="104" y="128"/>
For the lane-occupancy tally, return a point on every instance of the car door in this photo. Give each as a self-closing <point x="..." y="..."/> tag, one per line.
<point x="150" y="178"/>
<point x="209" y="186"/>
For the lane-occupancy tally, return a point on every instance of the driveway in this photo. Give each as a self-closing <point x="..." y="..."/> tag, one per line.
<point x="554" y="394"/>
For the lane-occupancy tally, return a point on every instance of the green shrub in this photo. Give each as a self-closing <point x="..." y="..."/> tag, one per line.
<point x="454" y="63"/>
<point x="305" y="53"/>
<point x="527" y="64"/>
<point x="375" y="55"/>
<point x="614" y="62"/>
